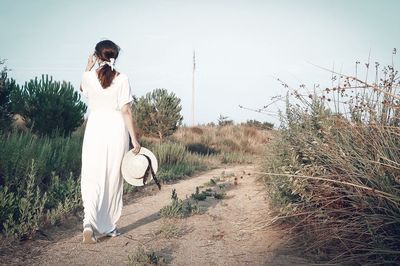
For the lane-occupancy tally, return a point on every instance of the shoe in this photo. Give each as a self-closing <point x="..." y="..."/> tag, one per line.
<point x="114" y="233"/>
<point x="88" y="235"/>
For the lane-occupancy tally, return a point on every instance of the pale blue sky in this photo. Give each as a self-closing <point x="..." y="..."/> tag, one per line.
<point x="240" y="45"/>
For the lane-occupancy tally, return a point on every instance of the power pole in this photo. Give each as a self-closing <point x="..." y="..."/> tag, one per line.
<point x="194" y="68"/>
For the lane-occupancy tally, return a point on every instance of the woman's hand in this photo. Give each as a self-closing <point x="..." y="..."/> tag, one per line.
<point x="91" y="61"/>
<point x="136" y="146"/>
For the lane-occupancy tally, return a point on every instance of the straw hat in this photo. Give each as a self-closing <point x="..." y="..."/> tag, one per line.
<point x="134" y="166"/>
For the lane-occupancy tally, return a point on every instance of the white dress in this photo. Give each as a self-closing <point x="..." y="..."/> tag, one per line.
<point x="105" y="142"/>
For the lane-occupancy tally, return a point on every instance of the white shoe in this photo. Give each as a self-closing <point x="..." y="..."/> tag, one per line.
<point x="88" y="235"/>
<point x="114" y="233"/>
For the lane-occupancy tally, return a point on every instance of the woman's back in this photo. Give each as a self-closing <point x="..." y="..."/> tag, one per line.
<point x="111" y="98"/>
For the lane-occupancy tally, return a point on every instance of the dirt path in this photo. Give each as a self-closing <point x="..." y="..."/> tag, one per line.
<point x="229" y="232"/>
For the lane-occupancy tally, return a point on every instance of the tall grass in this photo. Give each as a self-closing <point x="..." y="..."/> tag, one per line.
<point x="230" y="143"/>
<point x="60" y="155"/>
<point x="333" y="173"/>
<point x="176" y="161"/>
<point x="38" y="181"/>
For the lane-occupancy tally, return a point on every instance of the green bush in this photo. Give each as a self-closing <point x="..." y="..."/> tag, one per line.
<point x="201" y="148"/>
<point x="5" y="100"/>
<point x="178" y="208"/>
<point x="179" y="171"/>
<point x="175" y="162"/>
<point x="59" y="155"/>
<point x="49" y="107"/>
<point x="158" y="113"/>
<point x="39" y="181"/>
<point x="169" y="153"/>
<point x="224" y="121"/>
<point x="22" y="210"/>
<point x="199" y="195"/>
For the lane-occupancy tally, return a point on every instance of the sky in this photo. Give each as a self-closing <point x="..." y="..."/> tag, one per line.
<point x="241" y="47"/>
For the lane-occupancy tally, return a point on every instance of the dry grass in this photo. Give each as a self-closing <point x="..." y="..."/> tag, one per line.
<point x="333" y="176"/>
<point x="228" y="139"/>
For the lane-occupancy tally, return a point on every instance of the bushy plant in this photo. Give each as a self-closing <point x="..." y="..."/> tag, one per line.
<point x="39" y="181"/>
<point x="59" y="155"/>
<point x="5" y="100"/>
<point x="175" y="162"/>
<point x="142" y="257"/>
<point x="333" y="171"/>
<point x="49" y="107"/>
<point x="178" y="208"/>
<point x="170" y="153"/>
<point x="262" y="125"/>
<point x="158" y="113"/>
<point x="22" y="210"/>
<point x="224" y="121"/>
<point x="200" y="148"/>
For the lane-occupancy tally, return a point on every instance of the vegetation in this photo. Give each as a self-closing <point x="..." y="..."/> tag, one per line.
<point x="333" y="173"/>
<point x="231" y="143"/>
<point x="209" y="192"/>
<point x="224" y="121"/>
<point x="49" y="107"/>
<point x="142" y="257"/>
<point x="260" y="125"/>
<point x="31" y="193"/>
<point x="5" y="100"/>
<point x="176" y="162"/>
<point x="158" y="113"/>
<point x="40" y="167"/>
<point x="178" y="208"/>
<point x="169" y="229"/>
<point x="199" y="196"/>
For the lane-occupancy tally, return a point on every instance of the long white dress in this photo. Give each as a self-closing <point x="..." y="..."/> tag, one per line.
<point x="105" y="142"/>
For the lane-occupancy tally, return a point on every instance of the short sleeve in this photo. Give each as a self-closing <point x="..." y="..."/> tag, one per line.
<point x="84" y="84"/>
<point x="125" y="94"/>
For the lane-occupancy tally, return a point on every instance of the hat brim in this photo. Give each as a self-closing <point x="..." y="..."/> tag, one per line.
<point x="128" y="163"/>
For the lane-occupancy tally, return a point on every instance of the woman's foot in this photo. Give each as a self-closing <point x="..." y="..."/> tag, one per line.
<point x="114" y="233"/>
<point x="88" y="235"/>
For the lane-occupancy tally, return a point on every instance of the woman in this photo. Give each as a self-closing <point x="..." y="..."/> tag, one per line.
<point x="105" y="142"/>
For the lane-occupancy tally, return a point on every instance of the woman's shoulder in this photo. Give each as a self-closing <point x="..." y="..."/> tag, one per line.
<point x="86" y="74"/>
<point x="122" y="75"/>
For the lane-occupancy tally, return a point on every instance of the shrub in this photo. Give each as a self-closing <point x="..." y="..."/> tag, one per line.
<point x="158" y="113"/>
<point x="49" y="107"/>
<point x="178" y="208"/>
<point x="178" y="171"/>
<point x="142" y="257"/>
<point x="199" y="196"/>
<point x="175" y="162"/>
<point x="200" y="148"/>
<point x="59" y="155"/>
<point x="169" y="153"/>
<point x="22" y="210"/>
<point x="224" y="121"/>
<point x="39" y="181"/>
<point x="262" y="125"/>
<point x="5" y="100"/>
<point x="334" y="174"/>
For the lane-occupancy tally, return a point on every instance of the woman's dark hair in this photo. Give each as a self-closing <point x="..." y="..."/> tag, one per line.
<point x="105" y="50"/>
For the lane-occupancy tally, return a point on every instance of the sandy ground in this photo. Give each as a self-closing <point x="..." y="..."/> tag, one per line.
<point x="230" y="231"/>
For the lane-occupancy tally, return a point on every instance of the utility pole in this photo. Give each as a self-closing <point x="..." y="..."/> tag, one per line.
<point x="194" y="68"/>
